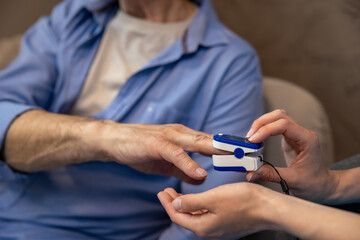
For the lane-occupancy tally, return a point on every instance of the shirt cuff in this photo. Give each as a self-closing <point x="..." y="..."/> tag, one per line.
<point x="9" y="111"/>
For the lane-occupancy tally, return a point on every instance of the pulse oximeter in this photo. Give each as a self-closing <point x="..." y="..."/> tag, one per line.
<point x="247" y="156"/>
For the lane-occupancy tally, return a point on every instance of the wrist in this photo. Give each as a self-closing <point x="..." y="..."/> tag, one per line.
<point x="338" y="184"/>
<point x="331" y="188"/>
<point x="267" y="209"/>
<point x="320" y="187"/>
<point x="97" y="136"/>
<point x="90" y="135"/>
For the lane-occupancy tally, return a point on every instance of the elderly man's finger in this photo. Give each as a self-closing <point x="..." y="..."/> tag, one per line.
<point x="195" y="142"/>
<point x="165" y="168"/>
<point x="185" y="178"/>
<point x="191" y="140"/>
<point x="181" y="160"/>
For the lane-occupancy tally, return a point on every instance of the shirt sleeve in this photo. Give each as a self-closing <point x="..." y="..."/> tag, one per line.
<point x="28" y="82"/>
<point x="237" y="104"/>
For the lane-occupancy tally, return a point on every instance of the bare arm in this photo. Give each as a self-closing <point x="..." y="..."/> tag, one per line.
<point x="38" y="140"/>
<point x="308" y="220"/>
<point x="235" y="210"/>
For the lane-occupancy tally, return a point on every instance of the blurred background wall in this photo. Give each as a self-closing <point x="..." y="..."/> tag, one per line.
<point x="315" y="44"/>
<point x="17" y="15"/>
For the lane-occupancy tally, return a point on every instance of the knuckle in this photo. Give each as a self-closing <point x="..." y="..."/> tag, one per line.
<point x="176" y="126"/>
<point x="180" y="126"/>
<point x="162" y="146"/>
<point x="167" y="130"/>
<point x="256" y="123"/>
<point x="270" y="175"/>
<point x="282" y="112"/>
<point x="293" y="181"/>
<point x="198" y="138"/>
<point x="178" y="152"/>
<point x="313" y="136"/>
<point x="168" y="189"/>
<point x="284" y="123"/>
<point x="106" y="121"/>
<point x="273" y="176"/>
<point x="158" y="138"/>
<point x="156" y="141"/>
<point x="262" y="130"/>
<point x="313" y="139"/>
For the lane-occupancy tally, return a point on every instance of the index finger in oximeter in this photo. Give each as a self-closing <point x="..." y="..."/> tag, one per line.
<point x="247" y="156"/>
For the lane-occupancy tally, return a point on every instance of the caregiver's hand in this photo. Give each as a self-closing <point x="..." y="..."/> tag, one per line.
<point x="234" y="210"/>
<point x="307" y="175"/>
<point x="225" y="212"/>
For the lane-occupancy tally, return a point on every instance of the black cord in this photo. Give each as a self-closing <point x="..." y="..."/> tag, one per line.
<point x="283" y="183"/>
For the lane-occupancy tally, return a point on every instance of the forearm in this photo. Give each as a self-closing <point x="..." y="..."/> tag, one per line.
<point x="38" y="140"/>
<point x="308" y="220"/>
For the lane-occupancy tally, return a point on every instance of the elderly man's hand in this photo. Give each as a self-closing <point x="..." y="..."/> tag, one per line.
<point x="40" y="141"/>
<point x="155" y="149"/>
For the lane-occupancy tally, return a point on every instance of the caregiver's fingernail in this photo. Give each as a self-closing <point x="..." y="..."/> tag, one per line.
<point x="251" y="131"/>
<point x="177" y="204"/>
<point x="253" y="137"/>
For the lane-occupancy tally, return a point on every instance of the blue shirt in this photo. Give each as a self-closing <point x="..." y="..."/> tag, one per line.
<point x="209" y="80"/>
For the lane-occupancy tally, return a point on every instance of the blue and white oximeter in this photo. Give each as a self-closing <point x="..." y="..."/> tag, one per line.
<point x="247" y="156"/>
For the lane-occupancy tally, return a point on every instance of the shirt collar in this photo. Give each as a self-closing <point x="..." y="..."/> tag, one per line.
<point x="100" y="10"/>
<point x="205" y="29"/>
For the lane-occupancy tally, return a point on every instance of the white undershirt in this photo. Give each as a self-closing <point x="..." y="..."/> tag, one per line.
<point x="127" y="45"/>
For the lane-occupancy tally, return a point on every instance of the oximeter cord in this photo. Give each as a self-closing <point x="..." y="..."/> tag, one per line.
<point x="283" y="183"/>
